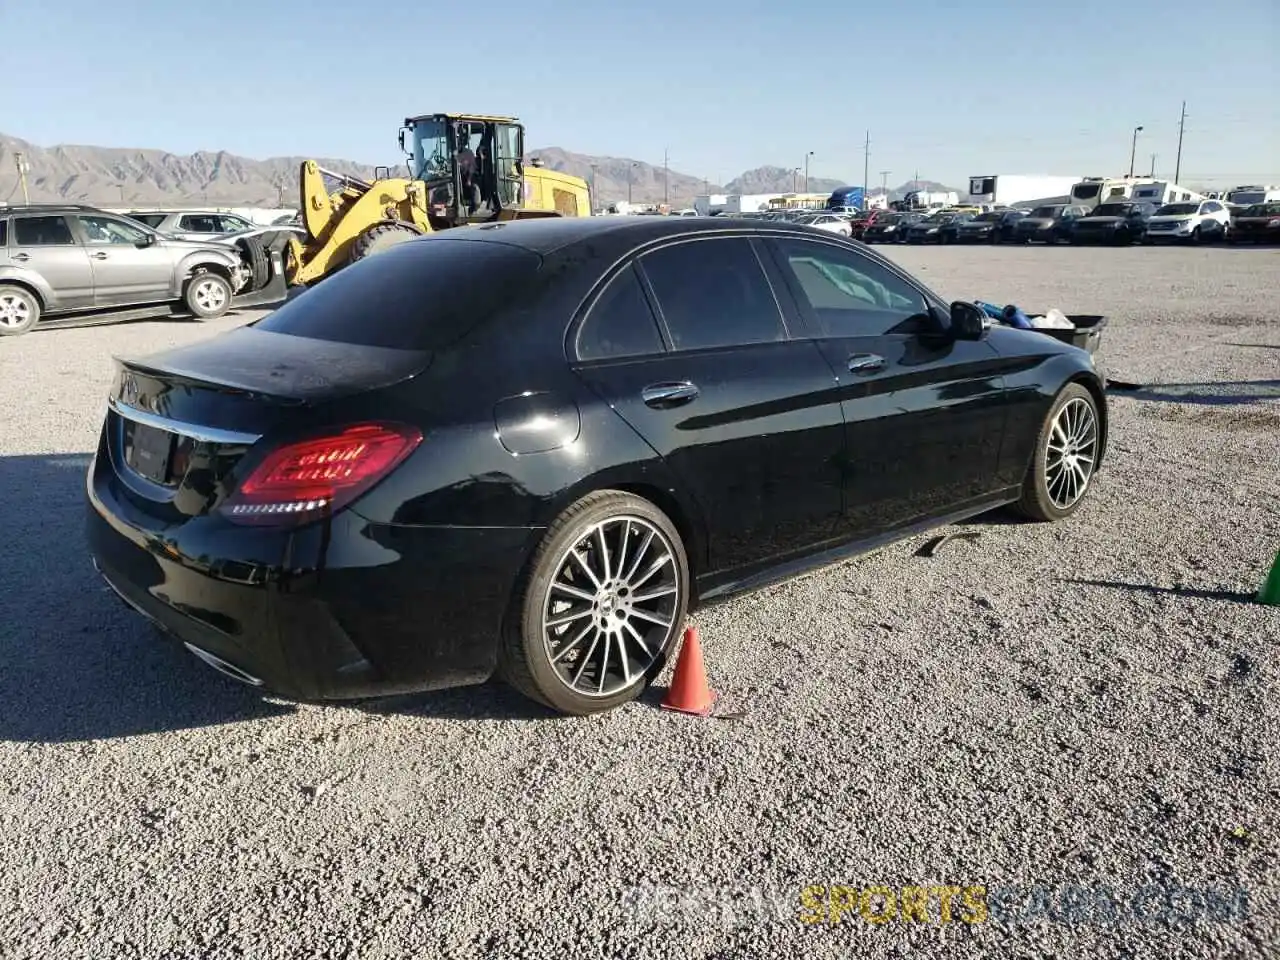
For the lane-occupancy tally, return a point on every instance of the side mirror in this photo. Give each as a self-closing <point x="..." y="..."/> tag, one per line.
<point x="968" y="322"/>
<point x="147" y="240"/>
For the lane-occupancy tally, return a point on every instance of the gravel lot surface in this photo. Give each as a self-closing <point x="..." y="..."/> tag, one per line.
<point x="1091" y="703"/>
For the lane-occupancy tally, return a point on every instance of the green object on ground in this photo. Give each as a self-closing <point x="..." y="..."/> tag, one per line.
<point x="1270" y="592"/>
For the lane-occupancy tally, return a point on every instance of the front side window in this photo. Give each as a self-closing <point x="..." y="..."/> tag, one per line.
<point x="111" y="230"/>
<point x="849" y="294"/>
<point x="620" y="323"/>
<point x="42" y="232"/>
<point x="199" y="223"/>
<point x="714" y="293"/>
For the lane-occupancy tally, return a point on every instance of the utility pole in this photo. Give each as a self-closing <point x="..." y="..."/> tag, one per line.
<point x="631" y="179"/>
<point x="1182" y="122"/>
<point x="20" y="161"/>
<point x="795" y="172"/>
<point x="594" y="196"/>
<point x="806" y="171"/>
<point x="866" y="166"/>
<point x="1153" y="167"/>
<point x="666" y="177"/>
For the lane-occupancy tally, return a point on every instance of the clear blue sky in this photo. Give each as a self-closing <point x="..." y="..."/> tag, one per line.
<point x="955" y="89"/>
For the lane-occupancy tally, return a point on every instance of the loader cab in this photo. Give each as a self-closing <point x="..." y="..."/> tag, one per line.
<point x="495" y="182"/>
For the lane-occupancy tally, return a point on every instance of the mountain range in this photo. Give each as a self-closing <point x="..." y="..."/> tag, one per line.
<point x="117" y="176"/>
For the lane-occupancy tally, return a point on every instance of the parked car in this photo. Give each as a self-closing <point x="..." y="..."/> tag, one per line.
<point x="859" y="224"/>
<point x="532" y="446"/>
<point x="829" y="222"/>
<point x="1116" y="221"/>
<point x="929" y="228"/>
<point x="1049" y="223"/>
<point x="996" y="226"/>
<point x="1259" y="223"/>
<point x="890" y="227"/>
<point x="949" y="232"/>
<point x="64" y="262"/>
<point x="1193" y="221"/>
<point x="192" y="224"/>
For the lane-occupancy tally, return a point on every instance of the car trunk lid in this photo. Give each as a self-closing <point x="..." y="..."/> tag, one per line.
<point x="179" y="422"/>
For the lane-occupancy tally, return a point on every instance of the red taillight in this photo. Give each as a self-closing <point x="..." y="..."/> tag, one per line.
<point x="313" y="477"/>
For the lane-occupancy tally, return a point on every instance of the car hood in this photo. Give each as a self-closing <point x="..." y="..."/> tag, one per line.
<point x="1100" y="221"/>
<point x="213" y="246"/>
<point x="976" y="225"/>
<point x="1037" y="222"/>
<point x="1172" y="218"/>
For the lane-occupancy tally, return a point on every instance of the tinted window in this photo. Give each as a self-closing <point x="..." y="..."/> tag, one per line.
<point x="41" y="231"/>
<point x="421" y="295"/>
<point x="849" y="294"/>
<point x="620" y="323"/>
<point x="199" y="223"/>
<point x="232" y="224"/>
<point x="714" y="293"/>
<point x="150" y="219"/>
<point x="4" y="229"/>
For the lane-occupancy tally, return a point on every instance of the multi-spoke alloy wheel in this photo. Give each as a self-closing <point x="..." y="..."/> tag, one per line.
<point x="1067" y="454"/>
<point x="1072" y="448"/>
<point x="605" y="600"/>
<point x="611" y="605"/>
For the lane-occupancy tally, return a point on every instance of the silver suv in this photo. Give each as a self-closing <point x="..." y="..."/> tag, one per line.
<point x="192" y="224"/>
<point x="59" y="261"/>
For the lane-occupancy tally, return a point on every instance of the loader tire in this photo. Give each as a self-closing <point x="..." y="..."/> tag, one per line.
<point x="256" y="255"/>
<point x="380" y="237"/>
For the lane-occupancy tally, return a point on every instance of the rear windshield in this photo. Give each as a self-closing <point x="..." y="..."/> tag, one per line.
<point x="1111" y="210"/>
<point x="421" y="295"/>
<point x="1177" y="209"/>
<point x="1046" y="213"/>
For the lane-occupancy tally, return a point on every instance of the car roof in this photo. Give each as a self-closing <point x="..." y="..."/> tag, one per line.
<point x="49" y="208"/>
<point x="544" y="235"/>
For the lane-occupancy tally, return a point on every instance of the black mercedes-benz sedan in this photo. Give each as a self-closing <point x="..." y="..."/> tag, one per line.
<point x="528" y="448"/>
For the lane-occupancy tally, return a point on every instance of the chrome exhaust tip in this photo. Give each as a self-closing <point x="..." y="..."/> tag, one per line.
<point x="230" y="669"/>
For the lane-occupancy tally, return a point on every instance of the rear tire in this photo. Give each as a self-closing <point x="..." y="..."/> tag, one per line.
<point x="380" y="237"/>
<point x="208" y="294"/>
<point x="1065" y="458"/>
<point x="255" y="253"/>
<point x="599" y="646"/>
<point x="19" y="310"/>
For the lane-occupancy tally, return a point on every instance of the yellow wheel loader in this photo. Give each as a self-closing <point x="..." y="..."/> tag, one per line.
<point x="462" y="169"/>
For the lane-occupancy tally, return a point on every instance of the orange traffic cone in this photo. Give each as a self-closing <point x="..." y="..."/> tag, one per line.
<point x="689" y="692"/>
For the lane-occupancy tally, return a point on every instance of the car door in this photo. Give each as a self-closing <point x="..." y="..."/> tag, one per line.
<point x="743" y="414"/>
<point x="128" y="267"/>
<point x="46" y="246"/>
<point x="924" y="413"/>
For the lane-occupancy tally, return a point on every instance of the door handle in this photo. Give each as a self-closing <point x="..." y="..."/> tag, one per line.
<point x="21" y="257"/>
<point x="663" y="395"/>
<point x="865" y="362"/>
<point x="99" y="255"/>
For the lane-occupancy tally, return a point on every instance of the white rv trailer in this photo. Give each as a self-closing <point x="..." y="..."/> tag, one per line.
<point x="1010" y="189"/>
<point x="1161" y="192"/>
<point x="1247" y="196"/>
<point x="1092" y="191"/>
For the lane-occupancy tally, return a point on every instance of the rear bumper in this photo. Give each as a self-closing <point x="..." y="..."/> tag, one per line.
<point x="335" y="610"/>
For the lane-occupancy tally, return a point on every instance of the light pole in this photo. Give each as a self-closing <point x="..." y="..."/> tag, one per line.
<point x="631" y="179"/>
<point x="884" y="183"/>
<point x="806" y="171"/>
<point x="1133" y="150"/>
<point x="1153" y="166"/>
<point x="795" y="173"/>
<point x="595" y="198"/>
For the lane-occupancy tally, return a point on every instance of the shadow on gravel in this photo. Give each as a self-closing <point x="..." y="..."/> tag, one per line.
<point x="488" y="701"/>
<point x="1257" y="346"/>
<point x="77" y="664"/>
<point x="1191" y="592"/>
<point x="1221" y="394"/>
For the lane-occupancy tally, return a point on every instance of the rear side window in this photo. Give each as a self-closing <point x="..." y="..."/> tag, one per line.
<point x="42" y="232"/>
<point x="421" y="295"/>
<point x="620" y="323"/>
<point x="714" y="293"/>
<point x="199" y="223"/>
<point x="4" y="231"/>
<point x="150" y="219"/>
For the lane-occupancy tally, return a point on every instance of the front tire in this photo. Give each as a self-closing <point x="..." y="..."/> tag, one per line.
<point x="603" y="603"/>
<point x="19" y="310"/>
<point x="208" y="294"/>
<point x="381" y="237"/>
<point x="1065" y="458"/>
